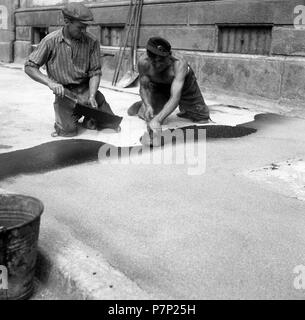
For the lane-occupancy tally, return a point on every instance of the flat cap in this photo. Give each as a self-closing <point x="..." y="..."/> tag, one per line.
<point x="77" y="11"/>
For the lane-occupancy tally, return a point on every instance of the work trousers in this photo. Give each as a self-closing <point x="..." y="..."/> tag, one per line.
<point x="66" y="118"/>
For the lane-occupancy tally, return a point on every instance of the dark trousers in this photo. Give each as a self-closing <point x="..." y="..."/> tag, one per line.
<point x="66" y="119"/>
<point x="159" y="96"/>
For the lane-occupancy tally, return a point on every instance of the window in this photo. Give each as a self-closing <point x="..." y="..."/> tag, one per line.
<point x="3" y="17"/>
<point x="38" y="33"/>
<point x="111" y="35"/>
<point x="246" y="39"/>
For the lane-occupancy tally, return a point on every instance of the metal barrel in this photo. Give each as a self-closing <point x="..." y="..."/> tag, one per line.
<point x="19" y="232"/>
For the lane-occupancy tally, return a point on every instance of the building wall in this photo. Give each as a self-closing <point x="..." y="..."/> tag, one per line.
<point x="195" y="29"/>
<point x="7" y="29"/>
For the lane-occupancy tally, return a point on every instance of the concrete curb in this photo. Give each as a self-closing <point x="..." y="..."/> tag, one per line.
<point x="217" y="96"/>
<point x="76" y="271"/>
<point x="107" y="85"/>
<point x="70" y="270"/>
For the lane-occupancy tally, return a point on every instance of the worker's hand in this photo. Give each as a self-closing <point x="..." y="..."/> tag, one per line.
<point x="93" y="102"/>
<point x="155" y="125"/>
<point x="148" y="114"/>
<point x="57" y="89"/>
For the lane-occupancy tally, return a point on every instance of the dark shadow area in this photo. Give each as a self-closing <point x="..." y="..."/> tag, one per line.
<point x="221" y="132"/>
<point x="43" y="267"/>
<point x="3" y="146"/>
<point x="59" y="154"/>
<point x="48" y="156"/>
<point x="264" y="119"/>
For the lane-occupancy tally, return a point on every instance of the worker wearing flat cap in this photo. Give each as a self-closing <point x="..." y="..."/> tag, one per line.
<point x="72" y="59"/>
<point x="166" y="82"/>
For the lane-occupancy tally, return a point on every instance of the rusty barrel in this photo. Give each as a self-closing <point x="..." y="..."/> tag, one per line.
<point x="19" y="232"/>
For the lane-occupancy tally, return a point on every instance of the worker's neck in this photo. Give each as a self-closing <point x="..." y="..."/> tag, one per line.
<point x="67" y="35"/>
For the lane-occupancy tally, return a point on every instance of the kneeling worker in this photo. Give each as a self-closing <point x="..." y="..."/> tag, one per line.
<point x="167" y="82"/>
<point x="72" y="59"/>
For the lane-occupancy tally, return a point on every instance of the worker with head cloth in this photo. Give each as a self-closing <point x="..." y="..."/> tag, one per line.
<point x="166" y="82"/>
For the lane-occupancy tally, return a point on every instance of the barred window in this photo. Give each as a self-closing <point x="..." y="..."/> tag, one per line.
<point x="246" y="39"/>
<point x="111" y="35"/>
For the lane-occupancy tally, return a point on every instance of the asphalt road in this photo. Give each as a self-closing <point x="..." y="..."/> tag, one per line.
<point x="217" y="235"/>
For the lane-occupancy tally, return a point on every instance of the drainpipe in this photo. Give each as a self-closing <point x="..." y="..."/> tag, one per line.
<point x="16" y="5"/>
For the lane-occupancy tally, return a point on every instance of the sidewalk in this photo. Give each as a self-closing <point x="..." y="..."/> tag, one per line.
<point x="120" y="231"/>
<point x="250" y="102"/>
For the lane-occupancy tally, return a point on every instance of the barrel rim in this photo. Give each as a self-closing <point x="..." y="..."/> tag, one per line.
<point x="41" y="209"/>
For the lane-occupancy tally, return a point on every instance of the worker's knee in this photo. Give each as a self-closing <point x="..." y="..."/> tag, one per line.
<point x="67" y="131"/>
<point x="100" y="98"/>
<point x="134" y="109"/>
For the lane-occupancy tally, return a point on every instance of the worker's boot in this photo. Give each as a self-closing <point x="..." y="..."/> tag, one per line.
<point x="90" y="124"/>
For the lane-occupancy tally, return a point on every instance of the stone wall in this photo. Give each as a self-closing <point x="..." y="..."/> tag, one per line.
<point x="192" y="27"/>
<point x="7" y="29"/>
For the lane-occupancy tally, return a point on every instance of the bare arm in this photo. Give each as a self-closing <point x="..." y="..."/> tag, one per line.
<point x="145" y="89"/>
<point x="38" y="76"/>
<point x="181" y="69"/>
<point x="173" y="101"/>
<point x="95" y="72"/>
<point x="37" y="59"/>
<point x="93" y="87"/>
<point x="146" y="97"/>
